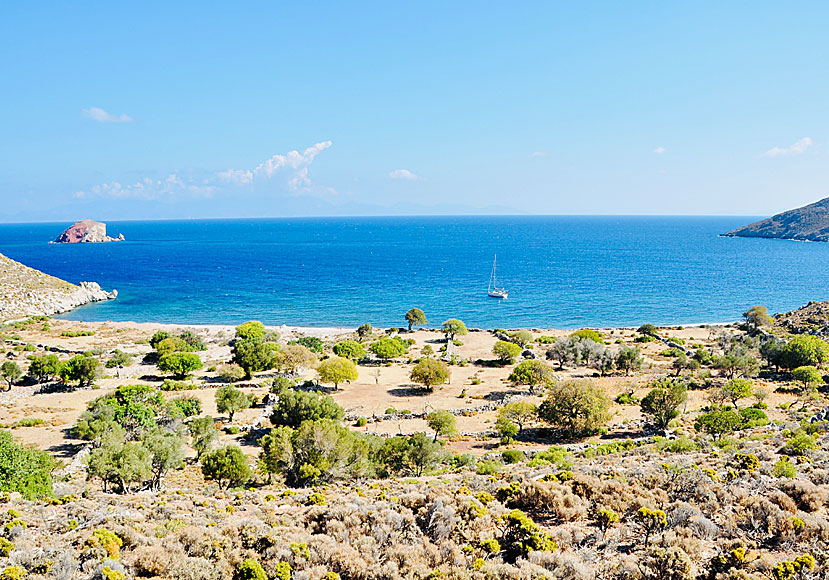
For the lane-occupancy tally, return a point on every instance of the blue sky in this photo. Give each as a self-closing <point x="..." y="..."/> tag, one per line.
<point x="206" y="109"/>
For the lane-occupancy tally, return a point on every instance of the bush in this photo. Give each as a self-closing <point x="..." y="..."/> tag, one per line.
<point x="229" y="400"/>
<point x="532" y="373"/>
<point x="800" y="444"/>
<point x="784" y="468"/>
<point x="488" y="467"/>
<point x="718" y="422"/>
<point x="576" y="407"/>
<point x="388" y="348"/>
<point x="183" y="407"/>
<point x="521" y="536"/>
<point x="227" y="465"/>
<point x="804" y="350"/>
<point x="250" y="569"/>
<point x="589" y="334"/>
<point x="512" y="456"/>
<point x="23" y="470"/>
<point x="350" y="349"/>
<point x="231" y="373"/>
<point x="171" y="385"/>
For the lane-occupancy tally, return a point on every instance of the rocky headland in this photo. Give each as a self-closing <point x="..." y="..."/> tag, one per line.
<point x="87" y="231"/>
<point x="807" y="223"/>
<point x="25" y="292"/>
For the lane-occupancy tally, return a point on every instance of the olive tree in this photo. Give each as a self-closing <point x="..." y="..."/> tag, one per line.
<point x="10" y="372"/>
<point x="506" y="351"/>
<point x="532" y="373"/>
<point x="662" y="403"/>
<point x="228" y="466"/>
<point x="180" y="364"/>
<point x="442" y="422"/>
<point x="629" y="359"/>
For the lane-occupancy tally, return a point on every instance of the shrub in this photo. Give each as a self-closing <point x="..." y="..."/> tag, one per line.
<point x="250" y="569"/>
<point x="171" y="385"/>
<point x="662" y="404"/>
<point x="13" y="573"/>
<point x="588" y="334"/>
<point x="282" y="571"/>
<point x="605" y="518"/>
<point x="629" y="359"/>
<point x="522" y="535"/>
<point x="532" y="373"/>
<point x="808" y="375"/>
<point x="804" y="350"/>
<point x="108" y="540"/>
<point x="512" y="456"/>
<point x="576" y="407"/>
<point x="800" y="444"/>
<point x="24" y="470"/>
<point x="229" y="400"/>
<point x="784" y="468"/>
<point x="747" y="461"/>
<point x="184" y="407"/>
<point x="651" y="521"/>
<point x="80" y="369"/>
<point x="350" y="349"/>
<point x="231" y="373"/>
<point x="718" y="422"/>
<point x="388" y="348"/>
<point x="488" y="467"/>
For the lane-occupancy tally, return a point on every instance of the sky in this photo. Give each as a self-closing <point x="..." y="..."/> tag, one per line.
<point x="116" y="111"/>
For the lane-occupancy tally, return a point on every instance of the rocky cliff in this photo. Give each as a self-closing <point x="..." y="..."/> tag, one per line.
<point x="86" y="231"/>
<point x="25" y="292"/>
<point x="807" y="223"/>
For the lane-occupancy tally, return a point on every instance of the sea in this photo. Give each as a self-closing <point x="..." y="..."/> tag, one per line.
<point x="560" y="271"/>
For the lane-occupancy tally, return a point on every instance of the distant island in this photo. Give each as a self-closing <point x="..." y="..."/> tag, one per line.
<point x="807" y="223"/>
<point x="87" y="231"/>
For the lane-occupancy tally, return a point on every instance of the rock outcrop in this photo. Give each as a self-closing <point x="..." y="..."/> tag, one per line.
<point x="807" y="223"/>
<point x="26" y="292"/>
<point x="86" y="231"/>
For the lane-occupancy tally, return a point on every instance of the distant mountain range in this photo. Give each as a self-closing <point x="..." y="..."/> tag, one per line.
<point x="807" y="223"/>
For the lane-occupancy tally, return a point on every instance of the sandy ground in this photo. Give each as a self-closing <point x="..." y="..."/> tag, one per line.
<point x="377" y="389"/>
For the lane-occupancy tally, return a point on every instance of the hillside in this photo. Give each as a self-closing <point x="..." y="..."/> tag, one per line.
<point x="807" y="223"/>
<point x="25" y="291"/>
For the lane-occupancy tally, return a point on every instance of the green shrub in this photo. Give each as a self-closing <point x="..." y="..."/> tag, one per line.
<point x="26" y="471"/>
<point x="800" y="444"/>
<point x="784" y="468"/>
<point x="512" y="456"/>
<point x="522" y="535"/>
<point x="13" y="573"/>
<point x="747" y="461"/>
<point x="250" y="569"/>
<point x="488" y="467"/>
<point x="108" y="540"/>
<point x="282" y="571"/>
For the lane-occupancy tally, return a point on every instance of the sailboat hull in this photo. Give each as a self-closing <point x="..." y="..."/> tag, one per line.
<point x="497" y="294"/>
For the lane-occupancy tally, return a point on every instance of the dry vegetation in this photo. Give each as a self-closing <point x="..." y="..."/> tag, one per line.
<point x="624" y="501"/>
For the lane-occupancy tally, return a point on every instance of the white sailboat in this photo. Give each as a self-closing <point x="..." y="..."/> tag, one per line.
<point x="493" y="290"/>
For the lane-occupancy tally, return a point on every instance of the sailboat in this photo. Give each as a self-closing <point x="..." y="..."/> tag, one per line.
<point x="493" y="290"/>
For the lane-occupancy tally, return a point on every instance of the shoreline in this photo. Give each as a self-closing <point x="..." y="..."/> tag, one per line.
<point x="328" y="331"/>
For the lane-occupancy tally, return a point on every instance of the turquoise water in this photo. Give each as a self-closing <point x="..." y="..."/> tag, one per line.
<point x="560" y="271"/>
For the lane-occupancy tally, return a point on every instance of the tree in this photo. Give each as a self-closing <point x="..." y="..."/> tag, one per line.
<point x="253" y="354"/>
<point x="296" y="356"/>
<point x="807" y="375"/>
<point x="252" y="329"/>
<point x="564" y="350"/>
<point x="415" y="317"/>
<point x="737" y="362"/>
<point x="430" y="372"/>
<point x="337" y="370"/>
<point x="577" y="407"/>
<point x="521" y="337"/>
<point x="736" y="389"/>
<point x="229" y="400"/>
<point x="588" y="334"/>
<point x="421" y="453"/>
<point x="158" y="337"/>
<point x="718" y="422"/>
<point x="506" y="351"/>
<point x="45" y="368"/>
<point x="454" y="327"/>
<point x="651" y="521"/>
<point x="227" y="465"/>
<point x="532" y="373"/>
<point x="312" y="343"/>
<point x="771" y="350"/>
<point x="24" y="470"/>
<point x="682" y="362"/>
<point x="318" y="451"/>
<point x="350" y="349"/>
<point x="662" y="403"/>
<point x="203" y="434"/>
<point x="388" y="348"/>
<point x="295" y="407"/>
<point x="442" y="422"/>
<point x="804" y="350"/>
<point x="648" y="330"/>
<point x="180" y="364"/>
<point x="120" y="462"/>
<point x="757" y="316"/>
<point x="171" y="344"/>
<point x="277" y="451"/>
<point x="80" y="369"/>
<point x="119" y="360"/>
<point x="166" y="450"/>
<point x="629" y="359"/>
<point x="518" y="412"/>
<point x="10" y="372"/>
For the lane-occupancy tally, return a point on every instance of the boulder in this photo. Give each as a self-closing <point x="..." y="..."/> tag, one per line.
<point x="87" y="231"/>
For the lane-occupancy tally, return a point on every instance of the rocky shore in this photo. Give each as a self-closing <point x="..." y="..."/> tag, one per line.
<point x="86" y="232"/>
<point x="25" y="292"/>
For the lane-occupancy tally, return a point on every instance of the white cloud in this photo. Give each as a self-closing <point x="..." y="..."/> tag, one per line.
<point x="294" y="165"/>
<point x="659" y="150"/>
<point x="795" y="148"/>
<point x="102" y="116"/>
<point x="538" y="154"/>
<point x="402" y="174"/>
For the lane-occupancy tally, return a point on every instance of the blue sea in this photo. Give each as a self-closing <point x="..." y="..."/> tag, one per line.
<point x="561" y="272"/>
